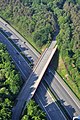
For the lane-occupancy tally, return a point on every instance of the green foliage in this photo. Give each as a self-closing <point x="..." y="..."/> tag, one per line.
<point x="33" y="112"/>
<point x="32" y="18"/>
<point x="38" y="21"/>
<point x="78" y="1"/>
<point x="10" y="83"/>
<point x="68" y="38"/>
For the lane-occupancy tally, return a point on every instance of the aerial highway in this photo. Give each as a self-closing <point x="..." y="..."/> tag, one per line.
<point x="43" y="101"/>
<point x="20" y="61"/>
<point x="20" y="41"/>
<point x="33" y="81"/>
<point x="65" y="94"/>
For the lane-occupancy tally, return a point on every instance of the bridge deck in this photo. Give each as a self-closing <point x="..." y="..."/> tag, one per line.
<point x="33" y="81"/>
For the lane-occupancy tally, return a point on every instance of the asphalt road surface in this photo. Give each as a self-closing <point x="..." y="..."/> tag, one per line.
<point x="33" y="81"/>
<point x="17" y="58"/>
<point x="45" y="100"/>
<point x="24" y="46"/>
<point x="13" y="52"/>
<point x="63" y="96"/>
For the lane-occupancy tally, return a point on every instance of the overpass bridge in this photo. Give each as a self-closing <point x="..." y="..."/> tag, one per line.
<point x="33" y="81"/>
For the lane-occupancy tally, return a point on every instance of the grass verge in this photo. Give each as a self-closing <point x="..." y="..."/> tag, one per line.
<point x="67" y="78"/>
<point x="29" y="62"/>
<point x="27" y="37"/>
<point x="23" y="33"/>
<point x="57" y="64"/>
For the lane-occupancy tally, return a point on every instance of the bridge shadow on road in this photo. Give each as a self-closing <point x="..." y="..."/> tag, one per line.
<point x="41" y="96"/>
<point x="44" y="99"/>
<point x="51" y="105"/>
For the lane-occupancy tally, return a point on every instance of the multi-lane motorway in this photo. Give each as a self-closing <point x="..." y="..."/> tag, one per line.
<point x="33" y="81"/>
<point x="66" y="97"/>
<point x="43" y="99"/>
<point x="20" y="61"/>
<point x="27" y="49"/>
<point x="70" y="103"/>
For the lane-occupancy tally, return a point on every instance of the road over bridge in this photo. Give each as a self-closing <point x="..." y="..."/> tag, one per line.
<point x="33" y="81"/>
<point x="69" y="99"/>
<point x="44" y="98"/>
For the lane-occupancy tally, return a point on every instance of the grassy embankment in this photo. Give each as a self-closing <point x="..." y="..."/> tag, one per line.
<point x="59" y="66"/>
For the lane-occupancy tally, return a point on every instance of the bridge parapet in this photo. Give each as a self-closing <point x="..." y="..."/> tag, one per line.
<point x="33" y="81"/>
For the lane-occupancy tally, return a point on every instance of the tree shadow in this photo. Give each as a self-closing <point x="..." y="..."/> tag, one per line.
<point x="21" y="45"/>
<point x="47" y="76"/>
<point x="17" y="58"/>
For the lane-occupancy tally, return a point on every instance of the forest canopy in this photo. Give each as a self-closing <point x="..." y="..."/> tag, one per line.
<point x="41" y="20"/>
<point x="10" y="83"/>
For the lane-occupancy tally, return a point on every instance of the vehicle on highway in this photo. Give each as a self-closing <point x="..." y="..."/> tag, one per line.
<point x="49" y="71"/>
<point x="17" y="53"/>
<point x="76" y="118"/>
<point x="5" y="24"/>
<point x="19" y="62"/>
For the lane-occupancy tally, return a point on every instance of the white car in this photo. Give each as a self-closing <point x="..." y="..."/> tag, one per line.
<point x="5" y="24"/>
<point x="76" y="118"/>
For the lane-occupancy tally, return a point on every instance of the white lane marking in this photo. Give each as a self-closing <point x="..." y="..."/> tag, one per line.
<point x="54" y="102"/>
<point x="43" y="107"/>
<point x="64" y="88"/>
<point x="18" y="66"/>
<point x="51" y="71"/>
<point x="16" y="50"/>
<point x="64" y="102"/>
<point x="19" y="69"/>
<point x="18" y="36"/>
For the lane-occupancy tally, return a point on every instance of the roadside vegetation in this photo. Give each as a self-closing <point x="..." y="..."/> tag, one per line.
<point x="67" y="78"/>
<point x="10" y="83"/>
<point x="32" y="19"/>
<point x="39" y="21"/>
<point x="68" y="39"/>
<point x="33" y="112"/>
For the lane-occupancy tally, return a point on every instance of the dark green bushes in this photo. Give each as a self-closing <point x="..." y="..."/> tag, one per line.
<point x="10" y="83"/>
